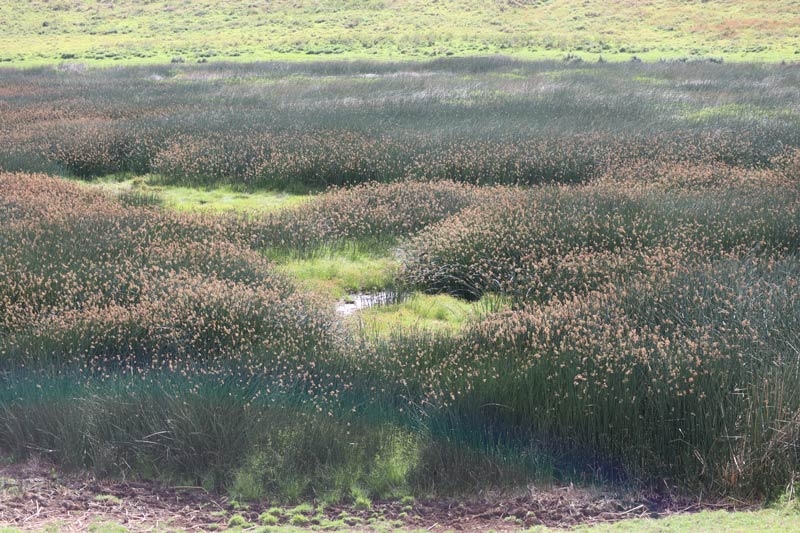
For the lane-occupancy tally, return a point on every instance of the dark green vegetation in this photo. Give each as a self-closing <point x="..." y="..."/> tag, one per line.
<point x="623" y="240"/>
<point x="37" y="32"/>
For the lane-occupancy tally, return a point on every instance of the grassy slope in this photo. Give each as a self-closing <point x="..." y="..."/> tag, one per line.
<point x="49" y="31"/>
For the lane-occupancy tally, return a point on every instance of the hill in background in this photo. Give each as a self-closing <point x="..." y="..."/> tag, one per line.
<point x="124" y="32"/>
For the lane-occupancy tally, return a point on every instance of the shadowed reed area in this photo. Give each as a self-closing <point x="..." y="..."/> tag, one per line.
<point x="303" y="127"/>
<point x="648" y="334"/>
<point x="687" y="373"/>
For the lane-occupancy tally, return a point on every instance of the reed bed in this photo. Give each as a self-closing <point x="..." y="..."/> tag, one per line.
<point x="309" y="126"/>
<point x="91" y="282"/>
<point x="638" y="222"/>
<point x="685" y="374"/>
<point x="550" y="242"/>
<point x="659" y="344"/>
<point x="371" y="215"/>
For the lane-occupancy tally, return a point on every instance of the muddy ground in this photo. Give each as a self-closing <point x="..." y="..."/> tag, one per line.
<point x="34" y="496"/>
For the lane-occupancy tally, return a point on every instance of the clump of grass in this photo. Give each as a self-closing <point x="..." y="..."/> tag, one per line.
<point x="92" y="281"/>
<point x="551" y="242"/>
<point x="685" y="375"/>
<point x="266" y="519"/>
<point x="360" y="500"/>
<point x="372" y="216"/>
<point x="109" y="498"/>
<point x="238" y="521"/>
<point x="299" y="520"/>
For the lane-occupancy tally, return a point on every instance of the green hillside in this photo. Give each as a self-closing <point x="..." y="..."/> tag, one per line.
<point x="126" y="31"/>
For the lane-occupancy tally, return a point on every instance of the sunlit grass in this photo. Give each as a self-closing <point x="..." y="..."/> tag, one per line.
<point x="337" y="274"/>
<point x="738" y="112"/>
<point x="764" y="521"/>
<point x="41" y="32"/>
<point x="213" y="199"/>
<point x="440" y="313"/>
<point x="226" y="199"/>
<point x="654" y="291"/>
<point x="298" y="127"/>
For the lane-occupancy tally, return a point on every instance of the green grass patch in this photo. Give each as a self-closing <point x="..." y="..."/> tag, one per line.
<point x="107" y="527"/>
<point x="108" y="498"/>
<point x="238" y="521"/>
<point x="212" y="200"/>
<point x="340" y="273"/>
<point x="127" y="32"/>
<point x="765" y="521"/>
<point x="737" y="112"/>
<point x="440" y="312"/>
<point x="226" y="199"/>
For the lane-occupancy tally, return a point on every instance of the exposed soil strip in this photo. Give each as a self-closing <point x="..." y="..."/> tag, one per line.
<point x="34" y="495"/>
